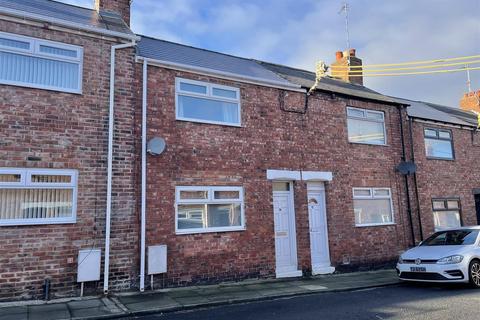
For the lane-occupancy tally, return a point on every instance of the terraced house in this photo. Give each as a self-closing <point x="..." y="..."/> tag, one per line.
<point x="64" y="172"/>
<point x="445" y="149"/>
<point x="125" y="156"/>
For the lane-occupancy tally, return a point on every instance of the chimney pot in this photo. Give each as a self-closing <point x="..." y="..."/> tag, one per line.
<point x="341" y="67"/>
<point x="339" y="55"/>
<point x="470" y="101"/>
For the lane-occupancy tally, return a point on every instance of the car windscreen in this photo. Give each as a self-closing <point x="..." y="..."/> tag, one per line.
<point x="452" y="238"/>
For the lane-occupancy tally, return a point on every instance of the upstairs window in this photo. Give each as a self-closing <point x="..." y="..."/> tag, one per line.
<point x="36" y="63"/>
<point x="366" y="126"/>
<point x="208" y="103"/>
<point x="446" y="213"/>
<point x="37" y="196"/>
<point x="372" y="206"/>
<point x="438" y="143"/>
<point x="209" y="209"/>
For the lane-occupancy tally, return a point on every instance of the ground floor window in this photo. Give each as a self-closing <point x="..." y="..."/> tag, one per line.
<point x="372" y="206"/>
<point x="446" y="213"/>
<point x="209" y="209"/>
<point x="37" y="196"/>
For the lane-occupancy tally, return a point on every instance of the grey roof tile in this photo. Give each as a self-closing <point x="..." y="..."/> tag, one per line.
<point x="68" y="13"/>
<point x="200" y="58"/>
<point x="307" y="78"/>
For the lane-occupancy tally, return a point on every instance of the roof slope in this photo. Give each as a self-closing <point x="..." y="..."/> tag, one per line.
<point x="196" y="58"/>
<point x="306" y="79"/>
<point x="67" y="13"/>
<point x="436" y="112"/>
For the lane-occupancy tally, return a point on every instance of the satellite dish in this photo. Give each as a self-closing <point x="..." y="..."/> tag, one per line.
<point x="156" y="146"/>
<point x="407" y="167"/>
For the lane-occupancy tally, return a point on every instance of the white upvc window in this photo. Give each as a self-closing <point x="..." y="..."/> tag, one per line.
<point x="208" y="209"/>
<point x="372" y="206"/>
<point x="37" y="196"/>
<point x="37" y="63"/>
<point x="205" y="102"/>
<point x="446" y="213"/>
<point x="438" y="144"/>
<point x="366" y="126"/>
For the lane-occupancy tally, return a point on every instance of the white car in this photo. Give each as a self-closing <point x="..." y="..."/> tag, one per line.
<point x="451" y="255"/>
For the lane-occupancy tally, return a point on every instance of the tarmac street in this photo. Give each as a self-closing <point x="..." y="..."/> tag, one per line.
<point x="405" y="301"/>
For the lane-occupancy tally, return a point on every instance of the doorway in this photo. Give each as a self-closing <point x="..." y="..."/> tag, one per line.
<point x="285" y="233"/>
<point x="317" y="215"/>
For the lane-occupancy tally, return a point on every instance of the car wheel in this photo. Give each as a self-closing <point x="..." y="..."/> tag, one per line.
<point x="474" y="273"/>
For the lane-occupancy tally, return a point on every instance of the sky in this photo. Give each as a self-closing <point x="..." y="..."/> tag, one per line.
<point x="298" y="33"/>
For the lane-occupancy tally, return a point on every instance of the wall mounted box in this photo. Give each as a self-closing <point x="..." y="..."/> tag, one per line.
<point x="88" y="265"/>
<point x="157" y="259"/>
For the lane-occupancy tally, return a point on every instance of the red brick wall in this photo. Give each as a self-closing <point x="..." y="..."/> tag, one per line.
<point x="445" y="178"/>
<point x="121" y="7"/>
<point x="203" y="154"/>
<point x="70" y="131"/>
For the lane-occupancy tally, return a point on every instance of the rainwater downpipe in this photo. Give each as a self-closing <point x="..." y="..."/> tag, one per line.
<point x="417" y="197"/>
<point x="407" y="189"/>
<point x="144" y="176"/>
<point x="111" y="117"/>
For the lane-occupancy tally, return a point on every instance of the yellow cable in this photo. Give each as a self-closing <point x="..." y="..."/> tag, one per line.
<point x="410" y="68"/>
<point x="478" y="118"/>
<point x="416" y="62"/>
<point x="412" y="73"/>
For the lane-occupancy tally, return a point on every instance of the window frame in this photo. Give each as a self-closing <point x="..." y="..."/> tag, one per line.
<point x="437" y="130"/>
<point x="365" y="118"/>
<point x="445" y="201"/>
<point x="209" y="200"/>
<point x="372" y="196"/>
<point x="34" y="51"/>
<point x="26" y="183"/>
<point x="208" y="96"/>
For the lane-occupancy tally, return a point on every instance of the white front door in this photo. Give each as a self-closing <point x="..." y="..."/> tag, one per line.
<point x="285" y="235"/>
<point x="317" y="215"/>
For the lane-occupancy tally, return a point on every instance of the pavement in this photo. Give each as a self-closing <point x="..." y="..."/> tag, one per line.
<point x="180" y="299"/>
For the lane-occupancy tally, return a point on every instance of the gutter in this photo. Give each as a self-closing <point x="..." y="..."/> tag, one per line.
<point x="221" y="74"/>
<point x="69" y="24"/>
<point x="443" y="123"/>
<point x="359" y="96"/>
<point x="111" y="123"/>
<point x="144" y="177"/>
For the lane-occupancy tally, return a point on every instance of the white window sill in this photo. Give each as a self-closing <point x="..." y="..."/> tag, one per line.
<point x="440" y="158"/>
<point x="29" y="222"/>
<point x="212" y="230"/>
<point x="370" y="144"/>
<point x="375" y="225"/>
<point x="39" y="86"/>
<point x="227" y="124"/>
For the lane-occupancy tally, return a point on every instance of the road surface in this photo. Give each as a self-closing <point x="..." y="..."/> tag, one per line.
<point x="422" y="301"/>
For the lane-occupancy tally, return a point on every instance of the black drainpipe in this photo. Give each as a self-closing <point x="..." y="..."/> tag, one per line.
<point x="417" y="198"/>
<point x="409" y="205"/>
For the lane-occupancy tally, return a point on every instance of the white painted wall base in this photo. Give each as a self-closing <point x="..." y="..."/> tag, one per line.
<point x="323" y="270"/>
<point x="289" y="274"/>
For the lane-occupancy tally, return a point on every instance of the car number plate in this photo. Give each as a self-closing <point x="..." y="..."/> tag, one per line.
<point x="418" y="269"/>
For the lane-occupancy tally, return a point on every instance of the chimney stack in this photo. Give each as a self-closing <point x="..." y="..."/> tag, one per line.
<point x="471" y="101"/>
<point x="121" y="7"/>
<point x="341" y="67"/>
